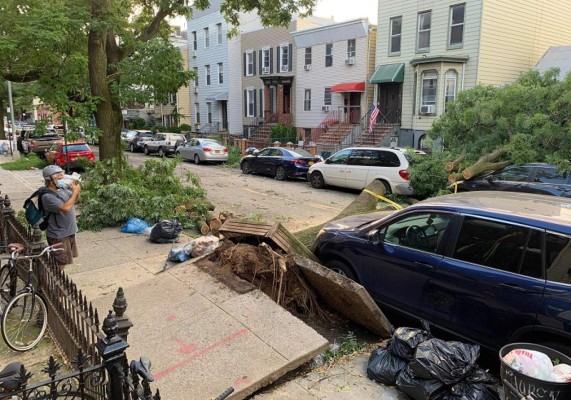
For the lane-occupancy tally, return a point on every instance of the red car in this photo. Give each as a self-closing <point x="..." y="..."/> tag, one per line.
<point x="60" y="153"/>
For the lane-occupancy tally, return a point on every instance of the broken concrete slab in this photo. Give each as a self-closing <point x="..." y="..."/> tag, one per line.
<point x="344" y="295"/>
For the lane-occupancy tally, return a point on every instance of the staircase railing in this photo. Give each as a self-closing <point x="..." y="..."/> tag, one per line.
<point x="331" y="118"/>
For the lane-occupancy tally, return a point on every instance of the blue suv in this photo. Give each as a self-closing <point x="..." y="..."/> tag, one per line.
<point x="488" y="267"/>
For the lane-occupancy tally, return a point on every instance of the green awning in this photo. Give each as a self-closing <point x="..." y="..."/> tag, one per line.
<point x="389" y="73"/>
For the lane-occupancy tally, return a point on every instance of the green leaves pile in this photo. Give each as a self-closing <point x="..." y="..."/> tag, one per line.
<point x="112" y="193"/>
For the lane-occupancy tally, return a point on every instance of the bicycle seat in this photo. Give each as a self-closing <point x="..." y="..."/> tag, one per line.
<point x="18" y="247"/>
<point x="10" y="376"/>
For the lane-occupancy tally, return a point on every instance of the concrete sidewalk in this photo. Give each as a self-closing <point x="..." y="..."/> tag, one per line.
<point x="201" y="336"/>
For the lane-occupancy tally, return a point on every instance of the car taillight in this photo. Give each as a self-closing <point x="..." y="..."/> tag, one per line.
<point x="404" y="174"/>
<point x="298" y="162"/>
<point x="91" y="157"/>
<point x="225" y="150"/>
<point x="207" y="149"/>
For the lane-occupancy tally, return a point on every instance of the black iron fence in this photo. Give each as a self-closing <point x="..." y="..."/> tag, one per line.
<point x="96" y="351"/>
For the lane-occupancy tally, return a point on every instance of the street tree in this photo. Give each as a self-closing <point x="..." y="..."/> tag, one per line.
<point x="96" y="56"/>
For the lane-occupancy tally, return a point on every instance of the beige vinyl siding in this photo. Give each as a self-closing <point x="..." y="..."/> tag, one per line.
<point x="516" y="33"/>
<point x="183" y="95"/>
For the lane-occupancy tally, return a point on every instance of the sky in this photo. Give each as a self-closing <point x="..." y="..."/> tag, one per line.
<point x="343" y="10"/>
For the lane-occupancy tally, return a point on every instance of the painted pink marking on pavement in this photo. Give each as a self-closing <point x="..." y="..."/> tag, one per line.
<point x="241" y="380"/>
<point x="171" y="317"/>
<point x="183" y="347"/>
<point x="207" y="350"/>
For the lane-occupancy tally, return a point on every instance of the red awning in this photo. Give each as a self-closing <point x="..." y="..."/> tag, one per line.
<point x="349" y="87"/>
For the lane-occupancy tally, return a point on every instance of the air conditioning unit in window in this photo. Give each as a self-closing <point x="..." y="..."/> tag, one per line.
<point x="196" y="89"/>
<point x="326" y="108"/>
<point x="350" y="61"/>
<point x="197" y="126"/>
<point x="428" y="109"/>
<point x="284" y="68"/>
<point x="194" y="53"/>
<point x="265" y="70"/>
<point x="307" y="67"/>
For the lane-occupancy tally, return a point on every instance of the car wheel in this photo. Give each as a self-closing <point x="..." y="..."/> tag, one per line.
<point x="177" y="154"/>
<point x="196" y="159"/>
<point x="281" y="173"/>
<point x="387" y="187"/>
<point x="161" y="152"/>
<point x="341" y="268"/>
<point x="316" y="179"/>
<point x="147" y="152"/>
<point x="246" y="167"/>
<point x="131" y="147"/>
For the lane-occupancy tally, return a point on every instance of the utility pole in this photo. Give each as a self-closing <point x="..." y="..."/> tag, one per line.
<point x="13" y="128"/>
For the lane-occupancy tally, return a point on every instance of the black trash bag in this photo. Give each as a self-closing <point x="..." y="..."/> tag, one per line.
<point x="448" y="362"/>
<point x="404" y="341"/>
<point x="479" y="385"/>
<point x="418" y="388"/>
<point x="384" y="367"/>
<point x="166" y="231"/>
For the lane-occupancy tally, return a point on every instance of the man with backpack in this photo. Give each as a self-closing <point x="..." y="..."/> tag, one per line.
<point x="58" y="203"/>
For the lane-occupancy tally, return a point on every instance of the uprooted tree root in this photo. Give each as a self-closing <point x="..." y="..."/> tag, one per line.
<point x="273" y="272"/>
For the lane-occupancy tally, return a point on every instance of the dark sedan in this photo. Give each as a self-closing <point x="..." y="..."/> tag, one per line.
<point x="279" y="162"/>
<point x="537" y="178"/>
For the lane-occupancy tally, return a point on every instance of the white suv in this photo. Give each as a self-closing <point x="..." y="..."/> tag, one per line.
<point x="164" y="143"/>
<point x="356" y="167"/>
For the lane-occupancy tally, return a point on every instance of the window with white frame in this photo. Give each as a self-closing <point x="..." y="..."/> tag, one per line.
<point x="265" y="61"/>
<point x="249" y="63"/>
<point x="250" y="94"/>
<point x="395" y="35"/>
<point x="308" y="56"/>
<point x="220" y="73"/>
<point x="209" y="112"/>
<point x="457" y="25"/>
<point x="206" y="38"/>
<point x="428" y="94"/>
<point x="307" y="100"/>
<point x="423" y="39"/>
<point x="284" y="57"/>
<point x="450" y="86"/>
<point x="273" y="99"/>
<point x="327" y="96"/>
<point x="172" y="98"/>
<point x="195" y="69"/>
<point x="197" y="113"/>
<point x="351" y="48"/>
<point x="207" y="74"/>
<point x="194" y="41"/>
<point x="329" y="54"/>
<point x="219" y="33"/>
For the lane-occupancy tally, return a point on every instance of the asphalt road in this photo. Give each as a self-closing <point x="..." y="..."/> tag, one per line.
<point x="294" y="202"/>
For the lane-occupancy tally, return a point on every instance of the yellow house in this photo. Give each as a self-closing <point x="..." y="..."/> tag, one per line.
<point x="428" y="51"/>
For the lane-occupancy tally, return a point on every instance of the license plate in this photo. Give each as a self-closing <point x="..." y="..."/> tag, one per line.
<point x="216" y="151"/>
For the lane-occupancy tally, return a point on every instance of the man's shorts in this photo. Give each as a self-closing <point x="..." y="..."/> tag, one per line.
<point x="70" y="249"/>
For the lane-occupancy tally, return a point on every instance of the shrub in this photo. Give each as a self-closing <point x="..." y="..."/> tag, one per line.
<point x="137" y="123"/>
<point x="185" y="128"/>
<point x="428" y="177"/>
<point x="114" y="191"/>
<point x="283" y="134"/>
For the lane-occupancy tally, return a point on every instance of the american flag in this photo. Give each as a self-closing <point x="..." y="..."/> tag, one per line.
<point x="374" y="112"/>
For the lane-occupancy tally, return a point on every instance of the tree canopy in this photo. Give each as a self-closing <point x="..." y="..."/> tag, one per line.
<point x="93" y="57"/>
<point x="530" y="118"/>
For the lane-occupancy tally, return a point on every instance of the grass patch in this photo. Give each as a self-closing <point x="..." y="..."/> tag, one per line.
<point x="234" y="157"/>
<point x="25" y="162"/>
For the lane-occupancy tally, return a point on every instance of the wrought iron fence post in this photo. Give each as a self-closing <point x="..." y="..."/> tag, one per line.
<point x="112" y="350"/>
<point x="123" y="321"/>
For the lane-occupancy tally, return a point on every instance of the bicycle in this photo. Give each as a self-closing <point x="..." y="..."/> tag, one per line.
<point x="24" y="320"/>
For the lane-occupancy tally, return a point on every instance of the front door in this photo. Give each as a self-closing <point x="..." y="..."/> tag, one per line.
<point x="355" y="107"/>
<point x="390" y="101"/>
<point x="224" y="114"/>
<point x="287" y="99"/>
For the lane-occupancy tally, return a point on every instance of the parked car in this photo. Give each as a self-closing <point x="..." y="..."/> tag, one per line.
<point x="489" y="267"/>
<point x="60" y="153"/>
<point x="137" y="143"/>
<point x="538" y="178"/>
<point x="356" y="167"/>
<point x="126" y="137"/>
<point x="279" y="162"/>
<point x="164" y="143"/>
<point x="38" y="142"/>
<point x="203" y="150"/>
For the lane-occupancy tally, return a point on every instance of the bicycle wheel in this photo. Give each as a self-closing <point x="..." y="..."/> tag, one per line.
<point x="10" y="285"/>
<point x="24" y="321"/>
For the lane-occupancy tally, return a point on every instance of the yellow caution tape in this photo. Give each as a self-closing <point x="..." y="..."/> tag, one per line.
<point x="383" y="198"/>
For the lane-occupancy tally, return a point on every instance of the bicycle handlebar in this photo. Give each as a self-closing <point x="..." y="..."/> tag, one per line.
<point x="16" y="248"/>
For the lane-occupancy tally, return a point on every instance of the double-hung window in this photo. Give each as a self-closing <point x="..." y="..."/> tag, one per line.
<point x="195" y="69"/>
<point x="351" y="48"/>
<point x="249" y="63"/>
<point x="265" y="61"/>
<point x="307" y="100"/>
<point x="250" y="94"/>
<point x="327" y="96"/>
<point x="424" y="23"/>
<point x="220" y="73"/>
<point x="209" y="112"/>
<point x="428" y="95"/>
<point x="450" y="86"/>
<point x="207" y="74"/>
<point x="395" y="35"/>
<point x="284" y="58"/>
<point x="197" y="113"/>
<point x="194" y="41"/>
<point x="206" y="38"/>
<point x="457" y="13"/>
<point x="219" y="33"/>
<point x="329" y="54"/>
<point x="307" y="56"/>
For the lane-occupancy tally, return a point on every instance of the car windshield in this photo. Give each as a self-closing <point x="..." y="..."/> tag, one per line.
<point x="146" y="134"/>
<point x="210" y="142"/>
<point x="75" y="147"/>
<point x="300" y="153"/>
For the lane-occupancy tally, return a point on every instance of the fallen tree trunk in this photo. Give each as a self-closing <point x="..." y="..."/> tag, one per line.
<point x="364" y="203"/>
<point x="453" y="178"/>
<point x="481" y="167"/>
<point x="202" y="227"/>
<point x="453" y="165"/>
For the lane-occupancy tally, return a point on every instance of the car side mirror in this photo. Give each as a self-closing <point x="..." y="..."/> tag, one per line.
<point x="256" y="152"/>
<point x="327" y="161"/>
<point x="375" y="237"/>
<point x="490" y="178"/>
